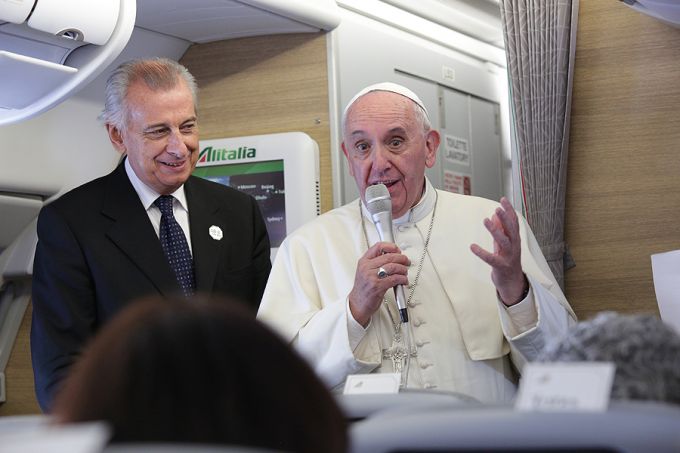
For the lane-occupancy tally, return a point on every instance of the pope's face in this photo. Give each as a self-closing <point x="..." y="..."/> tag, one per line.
<point x="384" y="143"/>
<point x="160" y="136"/>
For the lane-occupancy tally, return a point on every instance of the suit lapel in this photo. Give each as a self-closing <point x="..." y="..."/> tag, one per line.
<point x="133" y="233"/>
<point x="203" y="214"/>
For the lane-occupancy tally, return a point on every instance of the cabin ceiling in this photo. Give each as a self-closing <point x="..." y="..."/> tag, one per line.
<point x="212" y="20"/>
<point x="203" y="21"/>
<point x="479" y="19"/>
<point x="56" y="70"/>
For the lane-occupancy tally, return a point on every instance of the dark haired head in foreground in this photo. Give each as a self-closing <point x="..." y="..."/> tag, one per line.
<point x="644" y="349"/>
<point x="172" y="371"/>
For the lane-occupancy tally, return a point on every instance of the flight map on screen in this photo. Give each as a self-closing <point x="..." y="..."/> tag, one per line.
<point x="263" y="181"/>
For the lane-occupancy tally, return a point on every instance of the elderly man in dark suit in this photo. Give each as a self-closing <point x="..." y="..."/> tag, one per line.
<point x="149" y="227"/>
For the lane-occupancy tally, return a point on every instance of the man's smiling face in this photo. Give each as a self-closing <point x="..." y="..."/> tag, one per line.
<point x="160" y="135"/>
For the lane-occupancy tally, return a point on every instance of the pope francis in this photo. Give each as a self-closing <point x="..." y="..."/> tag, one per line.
<point x="481" y="299"/>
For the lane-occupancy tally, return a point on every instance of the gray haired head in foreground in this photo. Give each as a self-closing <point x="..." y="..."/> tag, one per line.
<point x="644" y="349"/>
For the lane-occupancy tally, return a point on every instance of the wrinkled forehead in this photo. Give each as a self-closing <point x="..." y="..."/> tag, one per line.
<point x="388" y="87"/>
<point x="379" y="107"/>
<point x="380" y="111"/>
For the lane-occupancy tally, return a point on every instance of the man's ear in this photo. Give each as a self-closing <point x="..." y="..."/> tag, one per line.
<point x="116" y="137"/>
<point x="432" y="140"/>
<point x="349" y="164"/>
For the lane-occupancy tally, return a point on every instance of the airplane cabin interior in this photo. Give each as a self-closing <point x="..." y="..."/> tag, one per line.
<point x="274" y="77"/>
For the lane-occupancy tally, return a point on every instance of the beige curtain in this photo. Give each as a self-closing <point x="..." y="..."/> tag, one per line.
<point x="539" y="42"/>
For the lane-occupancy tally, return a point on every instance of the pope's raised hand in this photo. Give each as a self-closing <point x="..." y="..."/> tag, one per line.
<point x="506" y="258"/>
<point x="370" y="284"/>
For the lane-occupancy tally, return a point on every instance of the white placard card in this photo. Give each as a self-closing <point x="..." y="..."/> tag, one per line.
<point x="566" y="386"/>
<point x="667" y="286"/>
<point x="90" y="437"/>
<point x="361" y="384"/>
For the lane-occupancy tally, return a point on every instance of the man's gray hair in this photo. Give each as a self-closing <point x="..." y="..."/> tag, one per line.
<point x="645" y="350"/>
<point x="157" y="74"/>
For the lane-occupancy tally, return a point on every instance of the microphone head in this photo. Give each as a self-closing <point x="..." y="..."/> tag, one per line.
<point x="378" y="199"/>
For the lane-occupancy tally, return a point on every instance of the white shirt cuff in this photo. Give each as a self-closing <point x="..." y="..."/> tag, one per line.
<point x="355" y="330"/>
<point x="520" y="317"/>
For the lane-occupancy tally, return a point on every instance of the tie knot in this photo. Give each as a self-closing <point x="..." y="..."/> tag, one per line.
<point x="164" y="203"/>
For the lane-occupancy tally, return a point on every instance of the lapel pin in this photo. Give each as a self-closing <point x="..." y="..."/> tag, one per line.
<point x="215" y="232"/>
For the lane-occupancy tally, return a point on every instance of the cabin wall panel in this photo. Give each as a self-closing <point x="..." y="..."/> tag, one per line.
<point x="623" y="188"/>
<point x="263" y="85"/>
<point x="19" y="374"/>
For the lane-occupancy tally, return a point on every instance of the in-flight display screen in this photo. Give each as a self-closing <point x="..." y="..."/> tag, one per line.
<point x="262" y="180"/>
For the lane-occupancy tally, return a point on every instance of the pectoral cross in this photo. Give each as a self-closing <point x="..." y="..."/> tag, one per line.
<point x="399" y="353"/>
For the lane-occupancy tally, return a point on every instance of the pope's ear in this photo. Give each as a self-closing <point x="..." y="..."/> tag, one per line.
<point x="116" y="137"/>
<point x="432" y="141"/>
<point x="349" y="164"/>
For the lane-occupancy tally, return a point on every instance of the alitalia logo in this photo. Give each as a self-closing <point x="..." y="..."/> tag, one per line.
<point x="210" y="154"/>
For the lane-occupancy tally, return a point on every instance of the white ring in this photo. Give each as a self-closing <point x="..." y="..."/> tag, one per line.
<point x="382" y="273"/>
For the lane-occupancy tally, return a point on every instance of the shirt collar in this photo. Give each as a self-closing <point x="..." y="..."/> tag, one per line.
<point x="147" y="195"/>
<point x="418" y="212"/>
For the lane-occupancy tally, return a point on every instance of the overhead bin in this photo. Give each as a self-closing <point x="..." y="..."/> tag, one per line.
<point x="56" y="49"/>
<point x="83" y="37"/>
<point x="202" y="21"/>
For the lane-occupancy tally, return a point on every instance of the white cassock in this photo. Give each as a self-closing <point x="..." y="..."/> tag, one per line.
<point x="466" y="340"/>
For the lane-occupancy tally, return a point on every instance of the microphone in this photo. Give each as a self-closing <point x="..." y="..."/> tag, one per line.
<point x="379" y="205"/>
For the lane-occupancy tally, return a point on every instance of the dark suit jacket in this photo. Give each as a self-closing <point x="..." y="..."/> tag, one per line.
<point x="97" y="251"/>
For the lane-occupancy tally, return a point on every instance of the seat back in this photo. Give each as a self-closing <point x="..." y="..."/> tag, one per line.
<point x="625" y="427"/>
